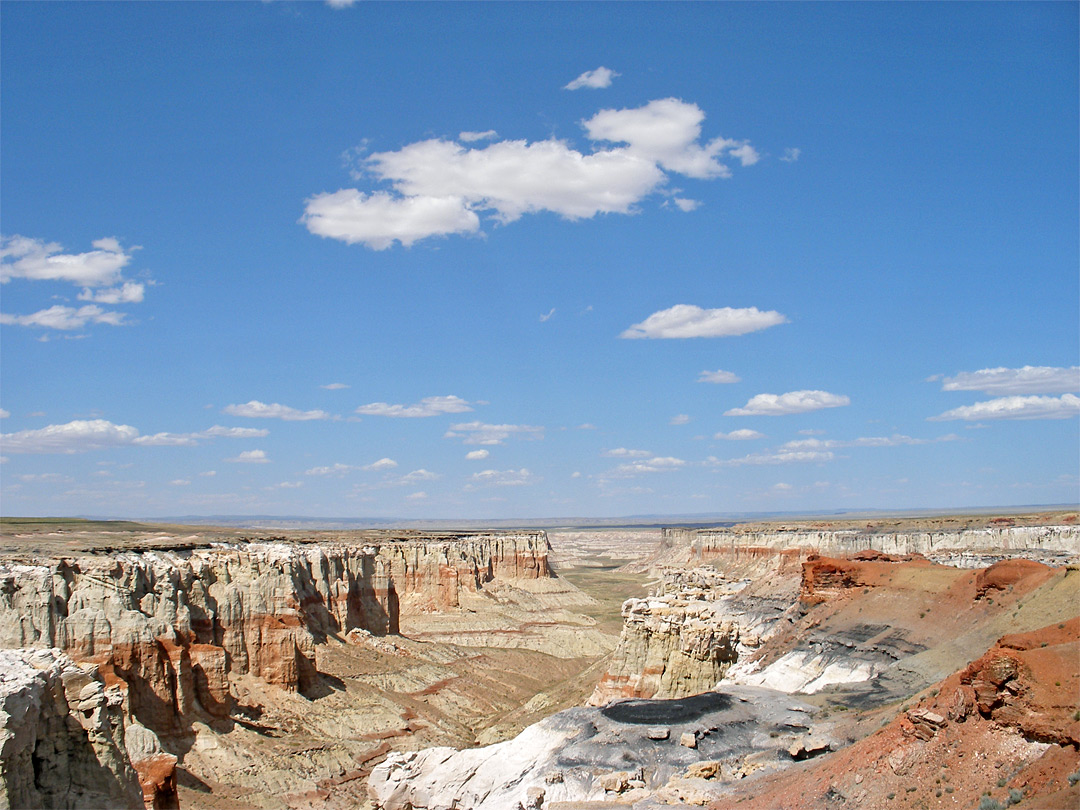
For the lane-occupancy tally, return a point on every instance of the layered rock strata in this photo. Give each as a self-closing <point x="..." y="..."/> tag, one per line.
<point x="63" y="740"/>
<point x="970" y="547"/>
<point x="681" y="640"/>
<point x="170" y="628"/>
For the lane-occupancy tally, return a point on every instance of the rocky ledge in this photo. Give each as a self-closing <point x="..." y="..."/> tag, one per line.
<point x="169" y="628"/>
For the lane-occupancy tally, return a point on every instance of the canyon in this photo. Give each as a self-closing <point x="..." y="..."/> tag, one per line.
<point x="236" y="668"/>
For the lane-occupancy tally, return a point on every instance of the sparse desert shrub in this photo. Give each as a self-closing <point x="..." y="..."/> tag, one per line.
<point x="1016" y="796"/>
<point x="987" y="803"/>
<point x="891" y="796"/>
<point x="949" y="789"/>
<point x="1074" y="778"/>
<point x="1002" y="781"/>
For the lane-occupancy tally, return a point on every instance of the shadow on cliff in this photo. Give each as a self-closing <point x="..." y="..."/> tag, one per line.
<point x="666" y="712"/>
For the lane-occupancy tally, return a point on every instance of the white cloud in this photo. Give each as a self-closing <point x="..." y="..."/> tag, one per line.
<point x="811" y="432"/>
<point x="78" y="436"/>
<point x="471" y="137"/>
<point x="666" y="132"/>
<point x="4" y="413"/>
<point x="340" y="3"/>
<point x="250" y="457"/>
<point x="593" y="79"/>
<point x="780" y="486"/>
<point x="62" y="317"/>
<point x="378" y="219"/>
<point x="650" y="465"/>
<point x="546" y="318"/>
<point x="179" y="482"/>
<point x="575" y="474"/>
<point x="586" y="426"/>
<point x="260" y="410"/>
<point x="896" y="440"/>
<point x="783" y="457"/>
<point x="208" y="474"/>
<point x="440" y="187"/>
<point x="741" y="435"/>
<point x="791" y="402"/>
<point x="689" y="321"/>
<point x="23" y="257"/>
<point x="504" y="478"/>
<point x="334" y="386"/>
<point x="686" y="205"/>
<point x="417" y="475"/>
<point x="477" y="455"/>
<point x="381" y="464"/>
<point x="679" y="419"/>
<point x="232" y="433"/>
<point x="287" y="485"/>
<point x="429" y="406"/>
<point x="482" y="433"/>
<point x="130" y="292"/>
<point x="719" y="376"/>
<point x="1015" y="407"/>
<point x="416" y="496"/>
<point x="791" y="154"/>
<point x="337" y="469"/>
<point x="1026" y="380"/>
<point x="623" y="452"/>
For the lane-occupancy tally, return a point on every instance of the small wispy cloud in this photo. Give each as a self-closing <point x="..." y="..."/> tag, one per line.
<point x="427" y="407"/>
<point x="482" y="433"/>
<point x="789" y="403"/>
<point x="679" y="419"/>
<point x="504" y="478"/>
<point x="689" y="321"/>
<point x="381" y="464"/>
<point x="334" y="386"/>
<point x="477" y="455"/>
<point x="471" y="137"/>
<point x="791" y="154"/>
<point x="1008" y="381"/>
<point x="593" y="79"/>
<point x="719" y="376"/>
<point x="545" y="318"/>
<point x="1015" y="407"/>
<point x="741" y="435"/>
<point x="261" y="410"/>
<point x="250" y="457"/>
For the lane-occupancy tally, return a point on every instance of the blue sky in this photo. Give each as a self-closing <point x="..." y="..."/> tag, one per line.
<point x="498" y="260"/>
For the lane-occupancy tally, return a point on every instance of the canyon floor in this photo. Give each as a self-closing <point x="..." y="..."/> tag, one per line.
<point x="850" y="680"/>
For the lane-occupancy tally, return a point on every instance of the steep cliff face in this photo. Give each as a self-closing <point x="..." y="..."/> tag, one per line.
<point x="946" y="546"/>
<point x="170" y="628"/>
<point x="62" y="740"/>
<point x="682" y="640"/>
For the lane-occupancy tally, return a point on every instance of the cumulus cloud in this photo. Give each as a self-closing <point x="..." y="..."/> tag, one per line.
<point x="1015" y="407"/>
<point x="477" y="455"/>
<point x="232" y="433"/>
<point x="686" y="205"/>
<point x="23" y="257"/>
<point x="378" y="219"/>
<point x="689" y="321"/>
<point x="74" y="437"/>
<point x="791" y="402"/>
<point x="440" y="187"/>
<point x="623" y="452"/>
<point x="429" y="406"/>
<point x="250" y="457"/>
<point x="593" y="79"/>
<point x="1025" y="380"/>
<point x="504" y="478"/>
<point x="666" y="132"/>
<point x="381" y="464"/>
<point x="261" y="410"/>
<point x="679" y="419"/>
<point x="719" y="376"/>
<point x="482" y="433"/>
<point x="130" y="292"/>
<point x="741" y="435"/>
<point x="65" y="318"/>
<point x="81" y="435"/>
